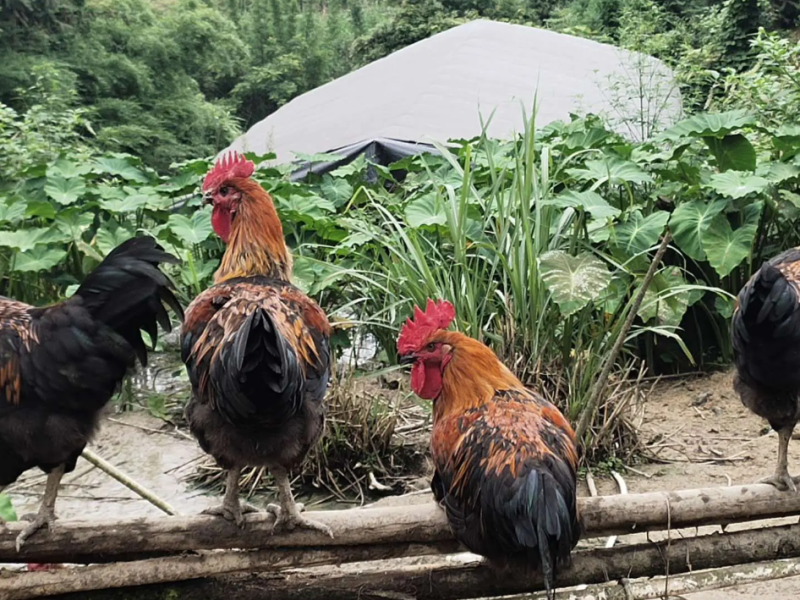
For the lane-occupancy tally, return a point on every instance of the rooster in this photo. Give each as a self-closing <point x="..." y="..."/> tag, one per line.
<point x="766" y="346"/>
<point x="505" y="459"/>
<point x="256" y="349"/>
<point x="61" y="364"/>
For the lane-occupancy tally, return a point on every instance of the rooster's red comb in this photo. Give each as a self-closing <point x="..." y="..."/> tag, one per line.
<point x="231" y="165"/>
<point x="437" y="315"/>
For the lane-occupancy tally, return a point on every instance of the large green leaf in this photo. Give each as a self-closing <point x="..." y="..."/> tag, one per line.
<point x="109" y="238"/>
<point x="733" y="152"/>
<point x="735" y="184"/>
<point x="126" y="204"/>
<point x="425" y="210"/>
<point x="613" y="169"/>
<point x="12" y="212"/>
<point x="319" y="157"/>
<point x="709" y="125"/>
<point x="726" y="248"/>
<point x="64" y="191"/>
<point x="638" y="233"/>
<point x="591" y="202"/>
<point x="23" y="239"/>
<point x="40" y="258"/>
<point x="664" y="300"/>
<point x="120" y="167"/>
<point x="574" y="281"/>
<point x="778" y="172"/>
<point x="68" y="169"/>
<point x="306" y="209"/>
<point x="690" y="221"/>
<point x="44" y="209"/>
<point x="7" y="512"/>
<point x="194" y="230"/>
<point x="72" y="223"/>
<point x="313" y="276"/>
<point x="337" y="190"/>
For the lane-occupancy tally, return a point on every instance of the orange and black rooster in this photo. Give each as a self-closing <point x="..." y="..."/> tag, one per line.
<point x="766" y="346"/>
<point x="256" y="349"/>
<point x="505" y="459"/>
<point x="61" y="364"/>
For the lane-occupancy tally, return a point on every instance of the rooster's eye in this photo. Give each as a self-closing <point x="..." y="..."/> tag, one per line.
<point x="224" y="190"/>
<point x="431" y="347"/>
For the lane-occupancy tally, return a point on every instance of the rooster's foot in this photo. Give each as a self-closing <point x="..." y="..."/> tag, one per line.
<point x="782" y="481"/>
<point x="44" y="519"/>
<point x="288" y="520"/>
<point x="232" y="512"/>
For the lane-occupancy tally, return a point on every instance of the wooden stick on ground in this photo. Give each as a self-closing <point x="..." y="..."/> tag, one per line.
<point x="623" y="489"/>
<point x="108" y="540"/>
<point x="108" y="468"/>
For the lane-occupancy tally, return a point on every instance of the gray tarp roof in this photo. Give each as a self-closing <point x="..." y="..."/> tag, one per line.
<point x="438" y="88"/>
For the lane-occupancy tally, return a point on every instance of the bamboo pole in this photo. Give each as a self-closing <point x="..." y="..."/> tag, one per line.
<point x="105" y="541"/>
<point x="109" y="469"/>
<point x="439" y="581"/>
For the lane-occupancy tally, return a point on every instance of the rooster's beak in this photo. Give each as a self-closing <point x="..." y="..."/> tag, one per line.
<point x="207" y="198"/>
<point x="407" y="359"/>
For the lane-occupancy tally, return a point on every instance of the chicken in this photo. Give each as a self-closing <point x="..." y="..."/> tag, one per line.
<point x="766" y="345"/>
<point x="505" y="459"/>
<point x="256" y="349"/>
<point x="61" y="364"/>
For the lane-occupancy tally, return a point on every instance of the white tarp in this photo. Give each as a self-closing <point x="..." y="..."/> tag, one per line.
<point x="438" y="88"/>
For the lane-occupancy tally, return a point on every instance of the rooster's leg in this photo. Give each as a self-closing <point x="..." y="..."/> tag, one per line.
<point x="231" y="508"/>
<point x="781" y="478"/>
<point x="47" y="509"/>
<point x="287" y="515"/>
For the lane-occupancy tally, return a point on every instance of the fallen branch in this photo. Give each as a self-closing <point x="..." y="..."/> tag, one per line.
<point x="105" y="540"/>
<point x="442" y="581"/>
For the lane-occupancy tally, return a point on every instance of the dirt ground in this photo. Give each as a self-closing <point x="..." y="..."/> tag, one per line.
<point x="697" y="428"/>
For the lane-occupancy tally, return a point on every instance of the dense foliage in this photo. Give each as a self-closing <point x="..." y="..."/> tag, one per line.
<point x="540" y="241"/>
<point x="171" y="80"/>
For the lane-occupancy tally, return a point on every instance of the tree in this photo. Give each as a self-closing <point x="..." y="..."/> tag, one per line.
<point x="417" y="20"/>
<point x="742" y="20"/>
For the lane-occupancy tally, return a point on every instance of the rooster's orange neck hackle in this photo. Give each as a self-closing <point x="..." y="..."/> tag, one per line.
<point x="256" y="245"/>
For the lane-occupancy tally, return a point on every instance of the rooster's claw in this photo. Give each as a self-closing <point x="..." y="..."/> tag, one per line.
<point x="232" y="513"/>
<point x="783" y="481"/>
<point x="44" y="519"/>
<point x="288" y="520"/>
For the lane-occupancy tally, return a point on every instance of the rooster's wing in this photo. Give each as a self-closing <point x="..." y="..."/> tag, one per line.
<point x="506" y="476"/>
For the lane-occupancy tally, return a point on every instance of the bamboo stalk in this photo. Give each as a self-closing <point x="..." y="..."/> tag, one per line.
<point x="109" y="540"/>
<point x="602" y="380"/>
<point x="108" y="468"/>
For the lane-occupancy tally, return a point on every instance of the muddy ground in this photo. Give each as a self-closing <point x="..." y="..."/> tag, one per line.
<point x="696" y="427"/>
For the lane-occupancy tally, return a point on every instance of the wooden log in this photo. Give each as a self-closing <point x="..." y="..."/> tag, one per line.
<point x="39" y="584"/>
<point x="455" y="582"/>
<point x="440" y="581"/>
<point x="105" y="541"/>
